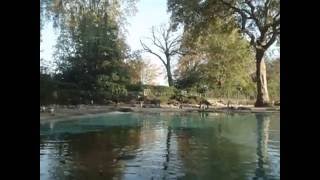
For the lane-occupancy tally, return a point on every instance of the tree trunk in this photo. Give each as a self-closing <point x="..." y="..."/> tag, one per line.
<point x="170" y="80"/>
<point x="261" y="77"/>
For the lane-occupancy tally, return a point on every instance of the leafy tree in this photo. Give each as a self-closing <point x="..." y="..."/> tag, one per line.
<point x="90" y="44"/>
<point x="221" y="60"/>
<point x="258" y="20"/>
<point x="91" y="41"/>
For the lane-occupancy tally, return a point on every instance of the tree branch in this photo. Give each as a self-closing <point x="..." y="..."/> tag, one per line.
<point x="157" y="42"/>
<point x="273" y="38"/>
<point x="174" y="42"/>
<point x="253" y="15"/>
<point x="252" y="37"/>
<point x="266" y="11"/>
<point x="277" y="15"/>
<point x="176" y="51"/>
<point x="242" y="13"/>
<point x="147" y="49"/>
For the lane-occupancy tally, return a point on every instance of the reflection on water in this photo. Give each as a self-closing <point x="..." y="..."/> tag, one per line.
<point x="162" y="146"/>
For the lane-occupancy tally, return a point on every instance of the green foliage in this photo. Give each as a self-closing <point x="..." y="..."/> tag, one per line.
<point x="163" y="99"/>
<point x="90" y="50"/>
<point x="160" y="90"/>
<point x="249" y="16"/>
<point x="110" y="88"/>
<point x="273" y="78"/>
<point x="178" y="98"/>
<point x="258" y="21"/>
<point x="134" y="87"/>
<point x="47" y="87"/>
<point x="221" y="62"/>
<point x="136" y="67"/>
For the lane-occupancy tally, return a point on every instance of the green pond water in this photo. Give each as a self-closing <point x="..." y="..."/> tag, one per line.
<point x="162" y="146"/>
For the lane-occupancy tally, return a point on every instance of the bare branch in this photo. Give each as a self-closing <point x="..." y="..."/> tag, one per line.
<point x="275" y="33"/>
<point x="276" y="22"/>
<point x="176" y="51"/>
<point x="252" y="37"/>
<point x="238" y="10"/>
<point x="251" y="6"/>
<point x="147" y="49"/>
<point x="253" y="15"/>
<point x="243" y="13"/>
<point x="277" y="15"/>
<point x="157" y="42"/>
<point x="271" y="41"/>
<point x="266" y="4"/>
<point x="266" y="11"/>
<point x="174" y="42"/>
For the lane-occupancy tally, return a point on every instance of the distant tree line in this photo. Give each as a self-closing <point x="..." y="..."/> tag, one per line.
<point x="221" y="52"/>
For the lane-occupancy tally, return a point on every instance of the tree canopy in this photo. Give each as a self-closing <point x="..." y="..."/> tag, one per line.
<point x="258" y="20"/>
<point x="91" y="48"/>
<point x="221" y="59"/>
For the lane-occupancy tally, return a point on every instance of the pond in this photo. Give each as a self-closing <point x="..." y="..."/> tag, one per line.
<point x="162" y="146"/>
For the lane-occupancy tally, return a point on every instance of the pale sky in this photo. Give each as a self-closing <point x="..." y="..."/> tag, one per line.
<point x="49" y="36"/>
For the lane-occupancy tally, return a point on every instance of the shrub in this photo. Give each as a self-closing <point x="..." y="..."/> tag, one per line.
<point x="164" y="99"/>
<point x="160" y="90"/>
<point x="134" y="87"/>
<point x="173" y="102"/>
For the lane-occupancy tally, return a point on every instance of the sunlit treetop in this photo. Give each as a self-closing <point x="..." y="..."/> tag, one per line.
<point x="259" y="20"/>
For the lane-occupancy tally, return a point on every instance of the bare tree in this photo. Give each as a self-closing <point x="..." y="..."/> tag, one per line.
<point x="164" y="43"/>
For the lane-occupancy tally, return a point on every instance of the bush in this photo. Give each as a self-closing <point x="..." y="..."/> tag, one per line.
<point x="173" y="102"/>
<point x="194" y="99"/>
<point x="164" y="99"/>
<point x="134" y="87"/>
<point x="189" y="101"/>
<point x="185" y="99"/>
<point x="47" y="87"/>
<point x="151" y="101"/>
<point x="160" y="90"/>
<point x="67" y="96"/>
<point x="178" y="97"/>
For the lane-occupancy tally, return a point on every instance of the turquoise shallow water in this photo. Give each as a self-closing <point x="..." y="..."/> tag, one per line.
<point x="162" y="146"/>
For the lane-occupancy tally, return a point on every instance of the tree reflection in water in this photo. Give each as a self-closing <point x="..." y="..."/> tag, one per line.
<point x="159" y="146"/>
<point x="263" y="122"/>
